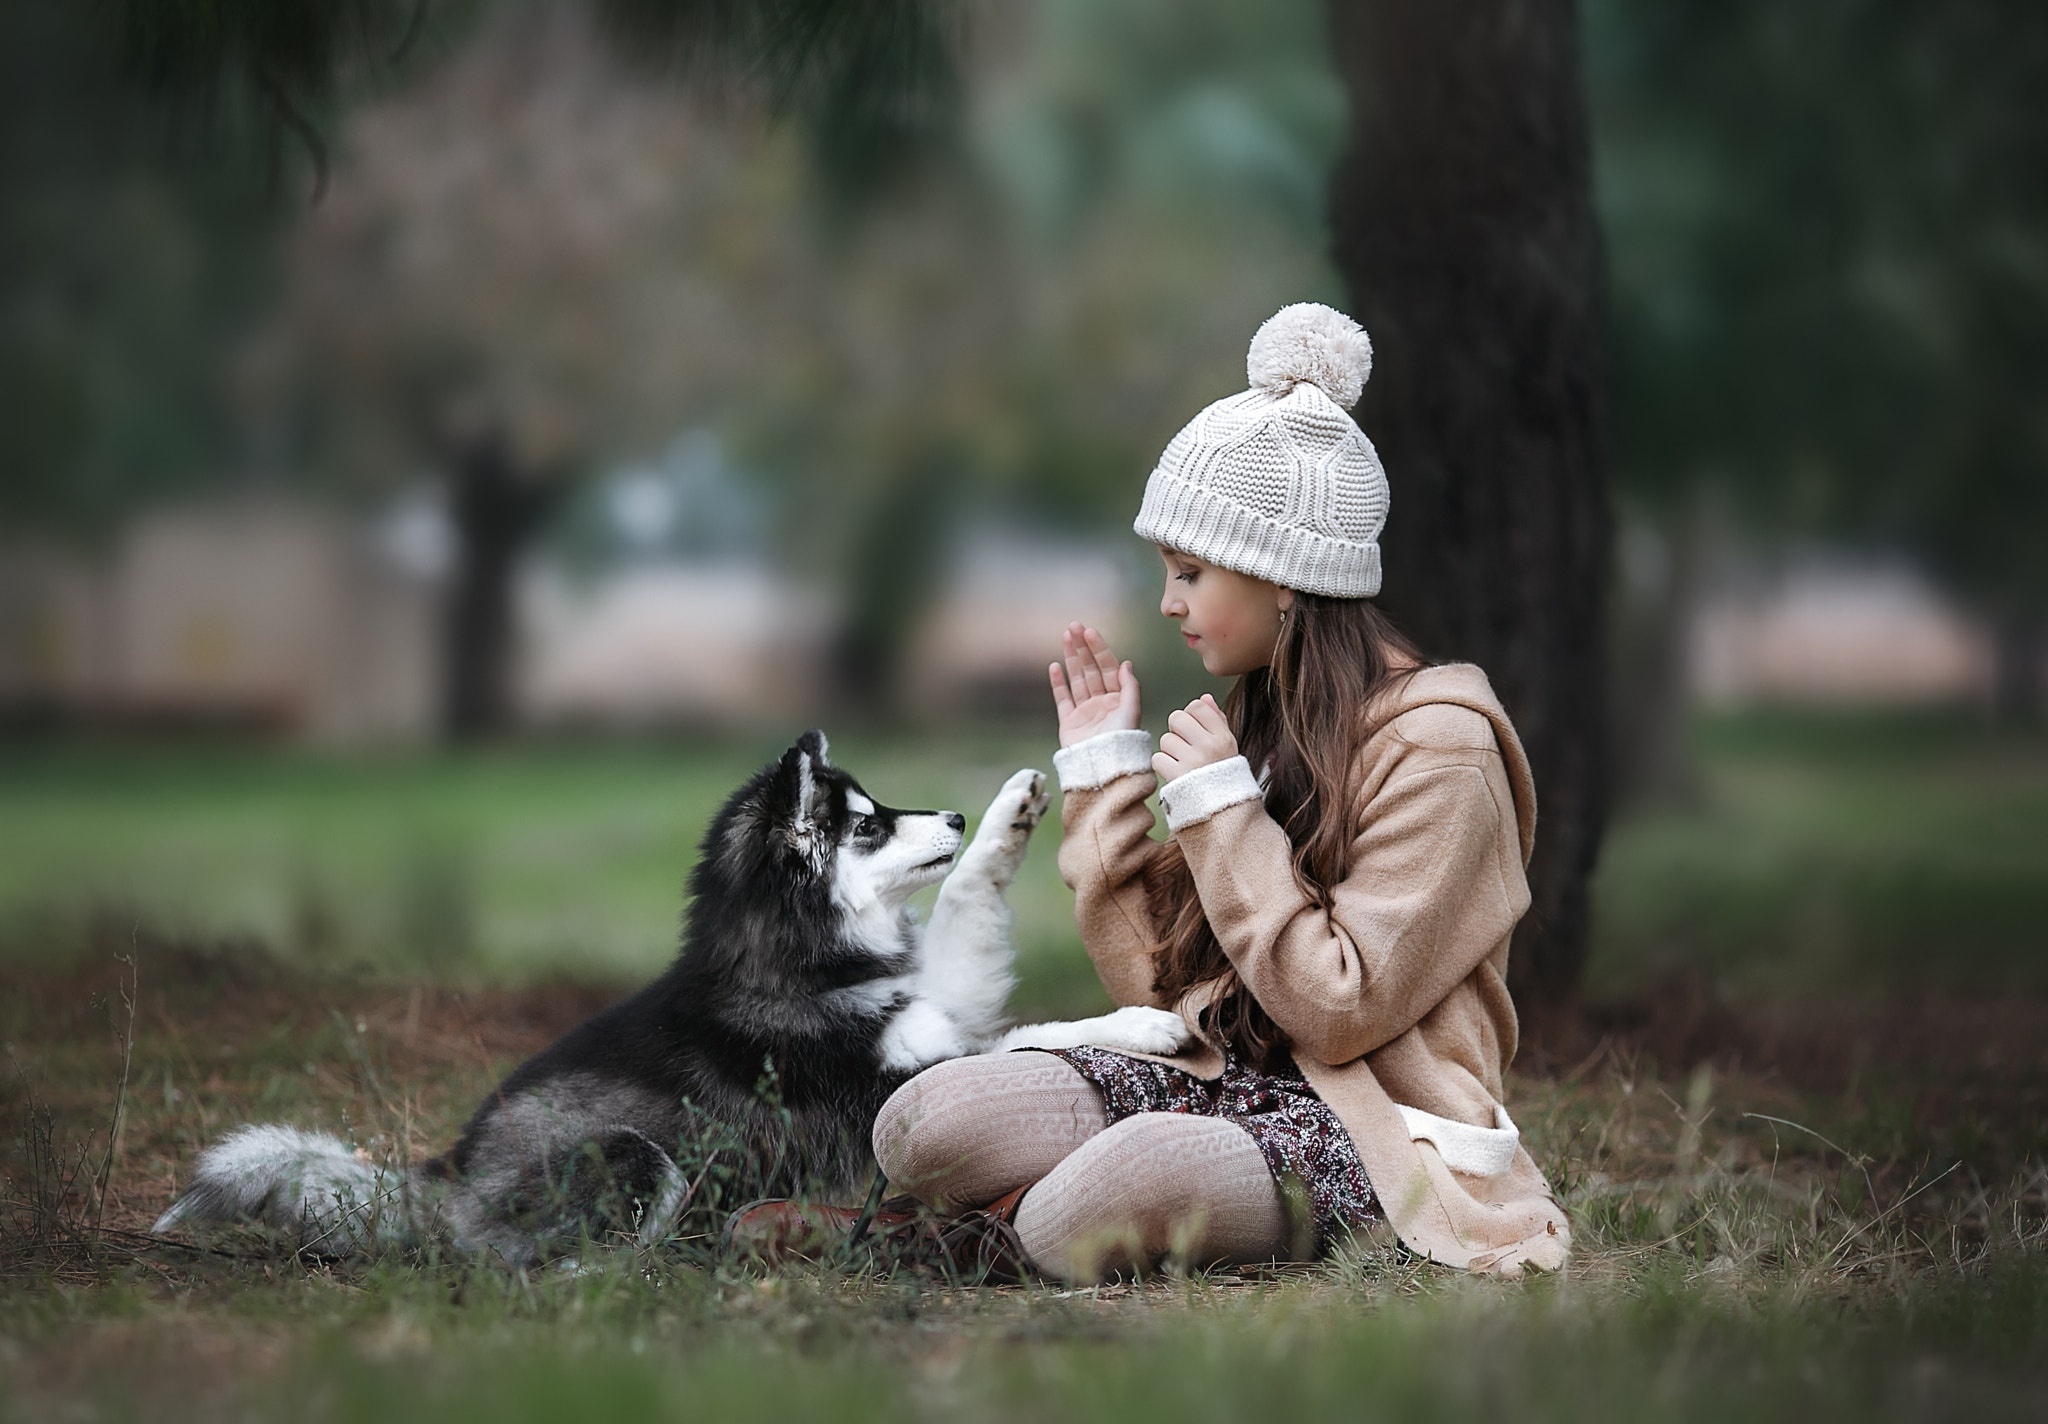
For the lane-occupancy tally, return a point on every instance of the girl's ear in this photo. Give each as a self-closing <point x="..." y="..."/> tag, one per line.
<point x="1286" y="599"/>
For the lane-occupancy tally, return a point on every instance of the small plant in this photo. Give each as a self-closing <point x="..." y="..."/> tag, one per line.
<point x="53" y="1205"/>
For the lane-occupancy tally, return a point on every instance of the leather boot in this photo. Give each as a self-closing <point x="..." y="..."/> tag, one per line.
<point x="978" y="1247"/>
<point x="777" y="1230"/>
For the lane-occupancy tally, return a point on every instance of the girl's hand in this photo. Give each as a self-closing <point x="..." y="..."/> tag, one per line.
<point x="1197" y="735"/>
<point x="1094" y="692"/>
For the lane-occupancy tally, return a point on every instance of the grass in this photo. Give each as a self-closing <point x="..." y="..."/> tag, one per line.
<point x="485" y="867"/>
<point x="1869" y="855"/>
<point x="1807" y="1167"/>
<point x="1746" y="1241"/>
<point x="1828" y="855"/>
<point x="733" y="1351"/>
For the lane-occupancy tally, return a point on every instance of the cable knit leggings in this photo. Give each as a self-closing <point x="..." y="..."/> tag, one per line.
<point x="1156" y="1186"/>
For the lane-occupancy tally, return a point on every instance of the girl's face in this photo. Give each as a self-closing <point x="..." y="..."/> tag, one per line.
<point x="1231" y="619"/>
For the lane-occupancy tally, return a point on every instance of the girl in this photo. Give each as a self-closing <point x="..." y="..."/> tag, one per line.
<point x="1330" y="913"/>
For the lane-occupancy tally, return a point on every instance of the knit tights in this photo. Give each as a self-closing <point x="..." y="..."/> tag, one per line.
<point x="1156" y="1186"/>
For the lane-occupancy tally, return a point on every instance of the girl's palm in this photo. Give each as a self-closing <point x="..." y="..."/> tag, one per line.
<point x="1093" y="691"/>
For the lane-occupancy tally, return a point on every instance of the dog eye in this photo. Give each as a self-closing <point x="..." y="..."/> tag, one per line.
<point x="865" y="825"/>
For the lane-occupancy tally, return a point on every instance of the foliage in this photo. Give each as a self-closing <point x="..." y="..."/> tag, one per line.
<point x="871" y="77"/>
<point x="128" y="261"/>
<point x="1831" y="267"/>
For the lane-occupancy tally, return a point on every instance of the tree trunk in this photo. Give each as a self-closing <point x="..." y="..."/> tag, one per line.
<point x="1650" y="624"/>
<point x="2021" y="650"/>
<point x="1462" y="221"/>
<point x="495" y="512"/>
<point x="894" y="566"/>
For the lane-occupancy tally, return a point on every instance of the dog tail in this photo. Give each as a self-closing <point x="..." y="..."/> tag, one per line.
<point x="305" y="1185"/>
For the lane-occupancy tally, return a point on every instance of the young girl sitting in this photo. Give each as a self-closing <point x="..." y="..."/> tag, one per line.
<point x="1331" y="910"/>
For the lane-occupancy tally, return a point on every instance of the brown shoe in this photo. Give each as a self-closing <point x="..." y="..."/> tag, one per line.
<point x="982" y="1247"/>
<point x="977" y="1248"/>
<point x="777" y="1230"/>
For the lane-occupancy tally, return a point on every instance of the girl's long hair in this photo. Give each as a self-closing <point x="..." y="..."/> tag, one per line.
<point x="1304" y="717"/>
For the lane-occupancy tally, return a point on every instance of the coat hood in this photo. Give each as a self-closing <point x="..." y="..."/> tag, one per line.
<point x="1465" y="685"/>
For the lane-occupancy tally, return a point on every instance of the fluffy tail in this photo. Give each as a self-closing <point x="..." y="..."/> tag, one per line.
<point x="305" y="1185"/>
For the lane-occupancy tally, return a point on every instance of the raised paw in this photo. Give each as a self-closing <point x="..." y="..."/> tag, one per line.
<point x="1018" y="807"/>
<point x="1004" y="833"/>
<point x="1026" y="796"/>
<point x="1141" y="1030"/>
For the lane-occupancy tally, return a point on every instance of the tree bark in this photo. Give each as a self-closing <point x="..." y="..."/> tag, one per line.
<point x="893" y="568"/>
<point x="1462" y="221"/>
<point x="2021" y="649"/>
<point x="495" y="512"/>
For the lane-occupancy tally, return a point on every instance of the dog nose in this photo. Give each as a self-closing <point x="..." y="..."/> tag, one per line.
<point x="957" y="821"/>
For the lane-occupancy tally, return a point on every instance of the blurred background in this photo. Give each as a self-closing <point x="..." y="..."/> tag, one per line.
<point x="446" y="447"/>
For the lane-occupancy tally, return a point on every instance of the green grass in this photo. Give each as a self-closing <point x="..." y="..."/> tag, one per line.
<point x="730" y="1351"/>
<point x="1836" y="855"/>
<point x="1860" y="854"/>
<point x="487" y="867"/>
<point x="1754" y="1238"/>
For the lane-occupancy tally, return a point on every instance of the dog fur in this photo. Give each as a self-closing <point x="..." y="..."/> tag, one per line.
<point x="804" y="994"/>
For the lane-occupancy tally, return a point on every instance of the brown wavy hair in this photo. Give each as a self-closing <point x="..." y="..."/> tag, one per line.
<point x="1304" y="716"/>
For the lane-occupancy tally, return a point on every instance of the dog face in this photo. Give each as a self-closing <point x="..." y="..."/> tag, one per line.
<point x="808" y="819"/>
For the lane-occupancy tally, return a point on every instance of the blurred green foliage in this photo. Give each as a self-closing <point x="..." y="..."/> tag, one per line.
<point x="1121" y="185"/>
<point x="1829" y="243"/>
<point x="1826" y="234"/>
<point x="1841" y="855"/>
<point x="131" y="253"/>
<point x="1853" y="856"/>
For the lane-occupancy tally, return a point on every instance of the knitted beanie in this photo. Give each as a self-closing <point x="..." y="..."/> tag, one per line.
<point x="1280" y="482"/>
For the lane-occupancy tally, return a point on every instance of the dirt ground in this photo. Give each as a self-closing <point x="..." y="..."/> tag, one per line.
<point x="1842" y="1172"/>
<point x="221" y="1038"/>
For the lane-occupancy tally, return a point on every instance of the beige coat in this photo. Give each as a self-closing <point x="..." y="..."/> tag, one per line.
<point x="1394" y="994"/>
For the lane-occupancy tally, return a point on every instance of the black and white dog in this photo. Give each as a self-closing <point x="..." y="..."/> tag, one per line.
<point x="803" y="995"/>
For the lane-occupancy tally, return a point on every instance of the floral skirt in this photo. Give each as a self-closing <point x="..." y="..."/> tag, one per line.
<point x="1310" y="1154"/>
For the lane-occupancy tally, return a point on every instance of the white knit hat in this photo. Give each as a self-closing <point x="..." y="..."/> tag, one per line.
<point x="1280" y="482"/>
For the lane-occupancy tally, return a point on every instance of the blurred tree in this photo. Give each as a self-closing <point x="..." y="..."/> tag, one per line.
<point x="519" y="274"/>
<point x="127" y="264"/>
<point x="503" y="378"/>
<point x="1014" y="324"/>
<point x="527" y="257"/>
<point x="1139" y="189"/>
<point x="869" y="78"/>
<point x="1832" y="278"/>
<point x="1464" y="226"/>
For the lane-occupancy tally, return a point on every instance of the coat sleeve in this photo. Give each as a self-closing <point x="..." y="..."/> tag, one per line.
<point x="1425" y="900"/>
<point x="1106" y="843"/>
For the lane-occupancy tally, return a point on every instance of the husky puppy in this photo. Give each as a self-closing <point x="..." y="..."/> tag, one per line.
<point x="804" y="994"/>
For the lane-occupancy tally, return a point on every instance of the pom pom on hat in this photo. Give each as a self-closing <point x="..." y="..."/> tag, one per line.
<point x="1313" y="343"/>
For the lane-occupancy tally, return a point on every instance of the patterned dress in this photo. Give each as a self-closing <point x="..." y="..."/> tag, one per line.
<point x="1310" y="1154"/>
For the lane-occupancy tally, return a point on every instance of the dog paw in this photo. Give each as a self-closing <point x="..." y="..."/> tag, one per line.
<point x="1004" y="834"/>
<point x="1015" y="813"/>
<point x="1026" y="797"/>
<point x="1142" y="1030"/>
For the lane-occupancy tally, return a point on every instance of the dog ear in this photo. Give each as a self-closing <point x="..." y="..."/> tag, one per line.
<point x="813" y="742"/>
<point x="797" y="794"/>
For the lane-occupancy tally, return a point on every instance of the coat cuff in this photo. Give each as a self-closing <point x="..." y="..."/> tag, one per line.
<point x="1102" y="759"/>
<point x="1479" y="1151"/>
<point x="1206" y="790"/>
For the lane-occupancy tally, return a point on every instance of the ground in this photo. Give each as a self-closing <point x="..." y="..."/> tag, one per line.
<point x="1802" y="1126"/>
